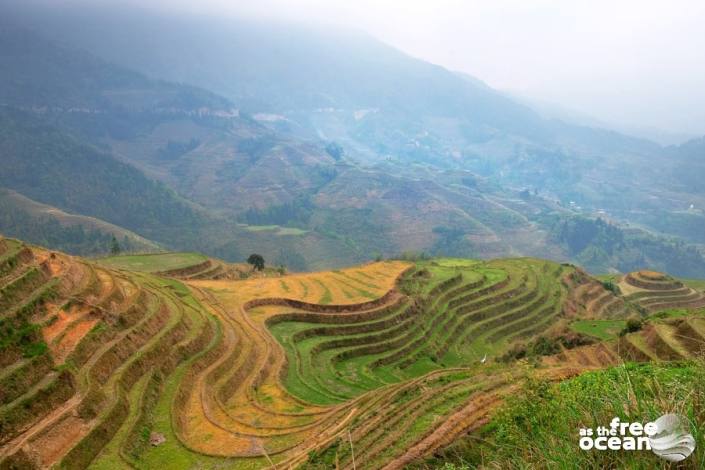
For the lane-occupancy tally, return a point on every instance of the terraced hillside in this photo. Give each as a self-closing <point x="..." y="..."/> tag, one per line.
<point x="462" y="315"/>
<point x="363" y="360"/>
<point x="661" y="339"/>
<point x="368" y="367"/>
<point x="653" y="291"/>
<point x="676" y="333"/>
<point x="79" y="342"/>
<point x="179" y="265"/>
<point x="590" y="298"/>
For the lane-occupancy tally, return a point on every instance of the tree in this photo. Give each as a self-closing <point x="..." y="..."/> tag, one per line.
<point x="633" y="325"/>
<point x="257" y="261"/>
<point x="114" y="246"/>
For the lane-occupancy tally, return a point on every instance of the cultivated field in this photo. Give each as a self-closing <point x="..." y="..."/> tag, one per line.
<point x="372" y="366"/>
<point x="152" y="263"/>
<point x="180" y="266"/>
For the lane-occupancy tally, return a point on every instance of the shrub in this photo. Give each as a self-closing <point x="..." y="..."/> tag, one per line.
<point x="633" y="325"/>
<point x="611" y="286"/>
<point x="257" y="261"/>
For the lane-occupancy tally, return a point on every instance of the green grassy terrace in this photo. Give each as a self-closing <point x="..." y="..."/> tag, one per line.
<point x="455" y="313"/>
<point x="154" y="262"/>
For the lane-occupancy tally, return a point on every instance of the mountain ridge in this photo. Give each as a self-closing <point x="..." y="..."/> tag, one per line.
<point x="455" y="187"/>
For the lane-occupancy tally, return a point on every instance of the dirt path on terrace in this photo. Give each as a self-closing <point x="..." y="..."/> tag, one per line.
<point x="36" y="429"/>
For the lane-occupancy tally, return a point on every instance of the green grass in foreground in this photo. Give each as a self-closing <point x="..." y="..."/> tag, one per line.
<point x="539" y="427"/>
<point x="601" y="329"/>
<point x="153" y="262"/>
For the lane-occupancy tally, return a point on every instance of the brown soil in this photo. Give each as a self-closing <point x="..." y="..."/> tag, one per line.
<point x="59" y="438"/>
<point x="71" y="339"/>
<point x="652" y="275"/>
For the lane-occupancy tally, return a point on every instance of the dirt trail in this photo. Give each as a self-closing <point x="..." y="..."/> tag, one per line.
<point x="470" y="417"/>
<point x="228" y="405"/>
<point x="37" y="428"/>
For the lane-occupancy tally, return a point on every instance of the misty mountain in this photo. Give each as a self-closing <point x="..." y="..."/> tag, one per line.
<point x="64" y="137"/>
<point x="689" y="159"/>
<point x="230" y="166"/>
<point x="274" y="68"/>
<point x="390" y="154"/>
<point x="345" y="86"/>
<point x="39" y="73"/>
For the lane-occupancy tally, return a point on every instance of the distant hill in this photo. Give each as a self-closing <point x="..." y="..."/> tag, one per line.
<point x="317" y="159"/>
<point x="76" y="142"/>
<point x="683" y="181"/>
<point x="689" y="159"/>
<point x="375" y="101"/>
<point x="52" y="167"/>
<point x="21" y="217"/>
<point x="232" y="166"/>
<point x="43" y="74"/>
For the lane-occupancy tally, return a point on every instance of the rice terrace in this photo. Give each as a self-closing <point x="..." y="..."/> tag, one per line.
<point x="151" y="362"/>
<point x="352" y="235"/>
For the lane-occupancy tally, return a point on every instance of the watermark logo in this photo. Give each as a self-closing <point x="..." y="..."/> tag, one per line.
<point x="672" y="440"/>
<point x="667" y="437"/>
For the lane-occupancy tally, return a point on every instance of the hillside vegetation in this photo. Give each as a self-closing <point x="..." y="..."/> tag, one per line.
<point x="387" y="362"/>
<point x="21" y="217"/>
<point x="185" y="266"/>
<point x="53" y="167"/>
<point x="602" y="247"/>
<point x="351" y="171"/>
<point x="537" y="428"/>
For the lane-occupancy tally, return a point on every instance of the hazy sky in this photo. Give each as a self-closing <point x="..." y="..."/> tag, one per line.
<point x="640" y="63"/>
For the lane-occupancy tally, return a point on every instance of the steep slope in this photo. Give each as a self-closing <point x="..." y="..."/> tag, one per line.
<point x="21" y="217"/>
<point x="52" y="167"/>
<point x="75" y="337"/>
<point x="305" y="201"/>
<point x="391" y="359"/>
<point x="44" y="74"/>
<point x="107" y="331"/>
<point x="341" y="85"/>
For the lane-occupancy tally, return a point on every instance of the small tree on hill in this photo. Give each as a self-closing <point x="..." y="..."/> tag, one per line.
<point x="257" y="261"/>
<point x="633" y="325"/>
<point x="114" y="246"/>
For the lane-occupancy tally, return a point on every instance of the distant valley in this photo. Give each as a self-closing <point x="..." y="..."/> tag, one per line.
<point x="321" y="159"/>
